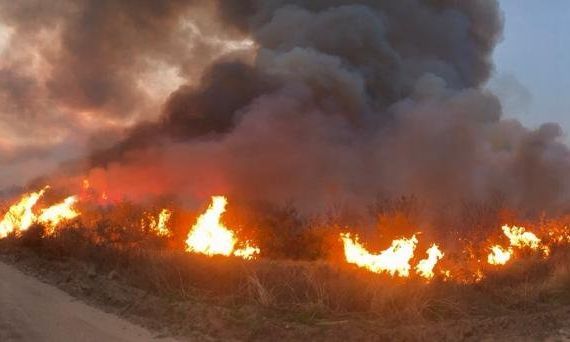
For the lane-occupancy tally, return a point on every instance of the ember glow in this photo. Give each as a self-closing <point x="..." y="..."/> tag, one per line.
<point x="210" y="237"/>
<point x="425" y="267"/>
<point x="20" y="216"/>
<point x="395" y="260"/>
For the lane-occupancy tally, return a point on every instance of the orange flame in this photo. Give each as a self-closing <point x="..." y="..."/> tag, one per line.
<point x="20" y="215"/>
<point x="519" y="237"/>
<point x="58" y="213"/>
<point x="499" y="255"/>
<point x="394" y="260"/>
<point x="161" y="226"/>
<point x="210" y="237"/>
<point x="248" y="252"/>
<point x="425" y="267"/>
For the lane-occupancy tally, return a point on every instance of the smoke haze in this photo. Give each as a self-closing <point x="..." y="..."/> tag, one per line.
<point x="309" y="102"/>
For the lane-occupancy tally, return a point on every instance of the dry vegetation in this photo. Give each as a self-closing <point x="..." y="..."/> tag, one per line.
<point x="299" y="288"/>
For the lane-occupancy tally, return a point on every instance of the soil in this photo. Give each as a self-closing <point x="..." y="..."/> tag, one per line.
<point x="34" y="311"/>
<point x="204" y="320"/>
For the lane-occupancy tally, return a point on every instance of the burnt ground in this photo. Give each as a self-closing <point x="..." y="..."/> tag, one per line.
<point x="202" y="319"/>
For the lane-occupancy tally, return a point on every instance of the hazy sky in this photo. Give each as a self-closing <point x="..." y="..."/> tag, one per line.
<point x="533" y="61"/>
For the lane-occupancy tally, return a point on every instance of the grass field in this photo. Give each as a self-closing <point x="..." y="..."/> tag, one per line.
<point x="299" y="288"/>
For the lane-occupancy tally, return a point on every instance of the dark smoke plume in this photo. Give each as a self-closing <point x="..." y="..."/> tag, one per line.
<point x="335" y="102"/>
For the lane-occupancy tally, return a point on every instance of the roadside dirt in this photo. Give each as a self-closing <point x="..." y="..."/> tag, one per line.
<point x="29" y="308"/>
<point x="34" y="311"/>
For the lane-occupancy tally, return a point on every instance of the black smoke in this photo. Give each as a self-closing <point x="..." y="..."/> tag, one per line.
<point x="335" y="102"/>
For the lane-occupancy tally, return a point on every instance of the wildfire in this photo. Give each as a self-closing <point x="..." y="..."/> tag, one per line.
<point x="20" y="215"/>
<point x="394" y="260"/>
<point x="54" y="215"/>
<point x="425" y="267"/>
<point x="559" y="235"/>
<point x="248" y="252"/>
<point x="210" y="237"/>
<point x="519" y="237"/>
<point x="499" y="255"/>
<point x="161" y="226"/>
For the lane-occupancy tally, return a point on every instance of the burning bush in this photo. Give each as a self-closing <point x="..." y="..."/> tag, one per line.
<point x="308" y="268"/>
<point x="283" y="233"/>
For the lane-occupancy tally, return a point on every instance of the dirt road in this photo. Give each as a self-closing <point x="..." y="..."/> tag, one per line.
<point x="33" y="311"/>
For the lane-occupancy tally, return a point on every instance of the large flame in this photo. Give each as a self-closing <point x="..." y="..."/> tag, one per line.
<point x="209" y="236"/>
<point x="20" y="215"/>
<point x="394" y="260"/>
<point x="425" y="267"/>
<point x="51" y="217"/>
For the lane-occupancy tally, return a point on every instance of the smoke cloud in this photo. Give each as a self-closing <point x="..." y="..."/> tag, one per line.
<point x="310" y="102"/>
<point x="72" y="72"/>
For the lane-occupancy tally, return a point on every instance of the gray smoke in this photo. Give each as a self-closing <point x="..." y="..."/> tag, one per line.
<point x="342" y="101"/>
<point x="73" y="71"/>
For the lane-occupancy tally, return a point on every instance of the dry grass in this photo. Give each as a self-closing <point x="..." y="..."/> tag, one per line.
<point x="319" y="290"/>
<point x="310" y="290"/>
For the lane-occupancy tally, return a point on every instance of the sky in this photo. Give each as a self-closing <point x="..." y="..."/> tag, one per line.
<point x="533" y="62"/>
